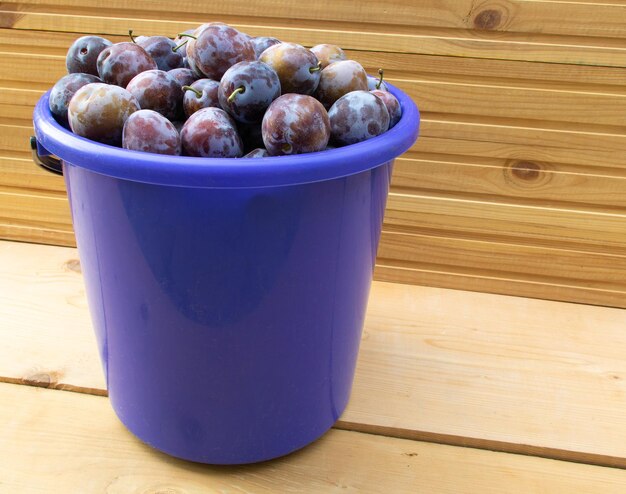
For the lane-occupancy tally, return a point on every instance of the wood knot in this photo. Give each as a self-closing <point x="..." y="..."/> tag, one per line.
<point x="42" y="379"/>
<point x="523" y="174"/>
<point x="526" y="170"/>
<point x="72" y="265"/>
<point x="488" y="19"/>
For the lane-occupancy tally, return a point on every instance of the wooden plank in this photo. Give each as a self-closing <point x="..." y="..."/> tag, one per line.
<point x="49" y="234"/>
<point x="499" y="259"/>
<point x="34" y="207"/>
<point x="403" y="65"/>
<point x="49" y="431"/>
<point x="349" y="34"/>
<point x="522" y="140"/>
<point x="15" y="135"/>
<point x="462" y="279"/>
<point x="17" y="170"/>
<point x="530" y="376"/>
<point x="515" y="180"/>
<point x="600" y="231"/>
<point x="580" y="18"/>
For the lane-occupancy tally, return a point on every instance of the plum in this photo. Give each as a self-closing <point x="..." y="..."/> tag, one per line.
<point x="340" y="78"/>
<point x="298" y="68"/>
<point x="217" y="48"/>
<point x="376" y="82"/>
<point x="247" y="89"/>
<point x="119" y="63"/>
<point x="98" y="112"/>
<point x="151" y="132"/>
<point x="211" y="132"/>
<point x="157" y="90"/>
<point x="184" y="77"/>
<point x="62" y="92"/>
<point x="294" y="124"/>
<point x="328" y="54"/>
<point x="357" y="116"/>
<point x="262" y="43"/>
<point x="392" y="104"/>
<point x="163" y="52"/>
<point x="201" y="94"/>
<point x="83" y="54"/>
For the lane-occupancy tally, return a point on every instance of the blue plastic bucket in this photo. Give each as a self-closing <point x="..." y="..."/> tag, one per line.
<point x="227" y="295"/>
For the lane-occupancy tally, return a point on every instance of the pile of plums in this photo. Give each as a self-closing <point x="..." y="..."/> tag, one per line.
<point x="217" y="92"/>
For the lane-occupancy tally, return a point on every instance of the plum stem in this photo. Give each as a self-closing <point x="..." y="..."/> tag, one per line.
<point x="185" y="35"/>
<point x="174" y="49"/>
<point x="233" y="95"/>
<point x="132" y="38"/>
<point x="189" y="88"/>
<point x="317" y="68"/>
<point x="380" y="80"/>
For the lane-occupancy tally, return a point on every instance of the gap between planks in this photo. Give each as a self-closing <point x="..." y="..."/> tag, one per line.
<point x="47" y="433"/>
<point x="480" y="375"/>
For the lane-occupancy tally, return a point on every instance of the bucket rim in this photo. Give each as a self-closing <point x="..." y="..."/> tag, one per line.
<point x="187" y="171"/>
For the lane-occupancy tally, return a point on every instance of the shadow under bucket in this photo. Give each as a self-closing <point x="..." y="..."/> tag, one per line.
<point x="227" y="295"/>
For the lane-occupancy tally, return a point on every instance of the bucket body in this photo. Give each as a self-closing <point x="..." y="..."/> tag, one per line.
<point x="228" y="318"/>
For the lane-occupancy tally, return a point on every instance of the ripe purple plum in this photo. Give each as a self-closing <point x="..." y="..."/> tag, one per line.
<point x="376" y="82"/>
<point x="184" y="77"/>
<point x="392" y="104"/>
<point x="328" y="54"/>
<point x="119" y="63"/>
<point x="163" y="52"/>
<point x="201" y="94"/>
<point x="217" y="48"/>
<point x="262" y="43"/>
<point x="157" y="90"/>
<point x="62" y="92"/>
<point x="357" y="116"/>
<point x="151" y="132"/>
<point x="298" y="68"/>
<point x="247" y="89"/>
<point x="211" y="132"/>
<point x="83" y="54"/>
<point x="98" y="112"/>
<point x="257" y="153"/>
<point x="295" y="124"/>
<point x="340" y="78"/>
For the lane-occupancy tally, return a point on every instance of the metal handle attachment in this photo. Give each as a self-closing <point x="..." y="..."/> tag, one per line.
<point x="45" y="160"/>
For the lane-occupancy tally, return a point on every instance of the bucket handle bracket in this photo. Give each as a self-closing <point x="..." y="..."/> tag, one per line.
<point x="44" y="159"/>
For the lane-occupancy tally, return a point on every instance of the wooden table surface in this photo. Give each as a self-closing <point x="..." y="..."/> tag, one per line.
<point x="455" y="392"/>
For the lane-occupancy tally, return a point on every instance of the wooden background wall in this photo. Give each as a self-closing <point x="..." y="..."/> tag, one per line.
<point x="518" y="182"/>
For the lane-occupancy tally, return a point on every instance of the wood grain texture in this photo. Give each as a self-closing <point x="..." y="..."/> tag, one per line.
<point x="351" y="33"/>
<point x="66" y="442"/>
<point x="522" y="139"/>
<point x="517" y="180"/>
<point x="580" y="18"/>
<point x="491" y="371"/>
<point x="508" y="283"/>
<point x="500" y="259"/>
